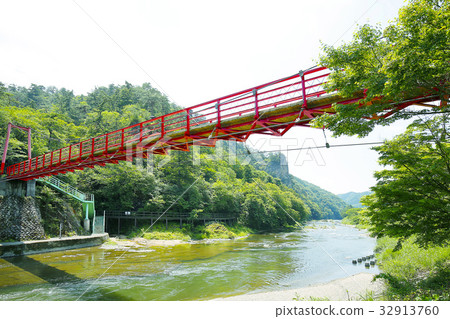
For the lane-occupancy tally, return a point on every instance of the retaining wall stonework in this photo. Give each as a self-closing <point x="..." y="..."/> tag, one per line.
<point x="20" y="219"/>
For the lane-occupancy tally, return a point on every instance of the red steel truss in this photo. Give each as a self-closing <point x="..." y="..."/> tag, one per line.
<point x="271" y="108"/>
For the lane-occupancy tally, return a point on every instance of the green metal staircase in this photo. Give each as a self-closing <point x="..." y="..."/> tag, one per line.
<point x="87" y="200"/>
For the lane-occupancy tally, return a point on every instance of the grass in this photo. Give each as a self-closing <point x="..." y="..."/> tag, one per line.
<point x="159" y="232"/>
<point x="110" y="242"/>
<point x="166" y="235"/>
<point x="368" y="296"/>
<point x="310" y="298"/>
<point x="220" y="231"/>
<point x="190" y="232"/>
<point x="414" y="273"/>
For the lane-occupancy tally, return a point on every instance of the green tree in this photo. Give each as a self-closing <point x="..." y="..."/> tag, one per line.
<point x="64" y="100"/>
<point x="406" y="59"/>
<point x="118" y="187"/>
<point x="5" y="96"/>
<point x="49" y="131"/>
<point x="412" y="196"/>
<point x="354" y="216"/>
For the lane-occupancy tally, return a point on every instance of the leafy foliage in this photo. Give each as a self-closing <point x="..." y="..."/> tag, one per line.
<point x="408" y="58"/>
<point x="59" y="212"/>
<point x="355" y="216"/>
<point x="49" y="131"/>
<point x="412" y="196"/>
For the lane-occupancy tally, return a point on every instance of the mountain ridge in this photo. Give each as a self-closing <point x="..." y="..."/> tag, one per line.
<point x="322" y="203"/>
<point x="353" y="198"/>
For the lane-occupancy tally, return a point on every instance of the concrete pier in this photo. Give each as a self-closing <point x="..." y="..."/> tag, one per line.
<point x="40" y="246"/>
<point x="18" y="188"/>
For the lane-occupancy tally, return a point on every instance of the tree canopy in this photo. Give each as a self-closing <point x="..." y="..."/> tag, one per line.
<point x="412" y="195"/>
<point x="406" y="59"/>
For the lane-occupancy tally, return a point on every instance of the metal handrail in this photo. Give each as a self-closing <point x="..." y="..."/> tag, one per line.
<point x="124" y="214"/>
<point x="67" y="188"/>
<point x="269" y="95"/>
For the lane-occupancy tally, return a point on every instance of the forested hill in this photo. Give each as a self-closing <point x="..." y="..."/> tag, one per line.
<point x="217" y="182"/>
<point x="321" y="203"/>
<point x="353" y="198"/>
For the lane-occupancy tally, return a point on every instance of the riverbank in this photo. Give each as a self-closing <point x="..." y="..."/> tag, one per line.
<point x="357" y="287"/>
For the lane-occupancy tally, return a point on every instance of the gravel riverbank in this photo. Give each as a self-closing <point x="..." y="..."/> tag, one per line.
<point x="355" y="287"/>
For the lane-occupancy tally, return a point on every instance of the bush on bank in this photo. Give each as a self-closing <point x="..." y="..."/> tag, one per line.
<point x="191" y="232"/>
<point x="414" y="273"/>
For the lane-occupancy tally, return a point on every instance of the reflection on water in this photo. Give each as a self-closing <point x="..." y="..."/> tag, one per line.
<point x="321" y="252"/>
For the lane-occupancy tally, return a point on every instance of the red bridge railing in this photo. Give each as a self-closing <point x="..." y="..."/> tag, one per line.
<point x="106" y="148"/>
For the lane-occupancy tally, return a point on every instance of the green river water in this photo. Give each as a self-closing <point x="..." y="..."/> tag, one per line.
<point x="321" y="252"/>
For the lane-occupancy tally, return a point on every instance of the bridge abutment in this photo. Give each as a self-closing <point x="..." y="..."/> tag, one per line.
<point x="18" y="188"/>
<point x="86" y="224"/>
<point x="20" y="217"/>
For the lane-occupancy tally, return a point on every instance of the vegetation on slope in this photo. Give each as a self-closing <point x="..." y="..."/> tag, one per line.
<point x="354" y="216"/>
<point x="321" y="203"/>
<point x="353" y="198"/>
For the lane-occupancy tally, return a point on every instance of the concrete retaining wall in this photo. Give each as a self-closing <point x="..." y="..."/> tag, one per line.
<point x="41" y="246"/>
<point x="20" y="219"/>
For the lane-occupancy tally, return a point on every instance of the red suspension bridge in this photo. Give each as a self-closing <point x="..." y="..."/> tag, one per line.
<point x="270" y="108"/>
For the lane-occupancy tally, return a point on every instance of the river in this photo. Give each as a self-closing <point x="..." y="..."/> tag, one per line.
<point x="321" y="252"/>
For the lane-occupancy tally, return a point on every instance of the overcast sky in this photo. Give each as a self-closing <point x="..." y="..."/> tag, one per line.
<point x="194" y="51"/>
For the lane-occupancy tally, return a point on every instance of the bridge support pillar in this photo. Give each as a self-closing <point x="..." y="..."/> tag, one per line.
<point x="31" y="188"/>
<point x="20" y="218"/>
<point x="18" y="188"/>
<point x="87" y="224"/>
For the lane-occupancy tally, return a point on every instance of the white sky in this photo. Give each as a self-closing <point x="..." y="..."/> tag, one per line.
<point x="195" y="51"/>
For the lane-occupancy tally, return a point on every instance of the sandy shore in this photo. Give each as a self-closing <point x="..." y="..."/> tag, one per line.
<point x="355" y="287"/>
